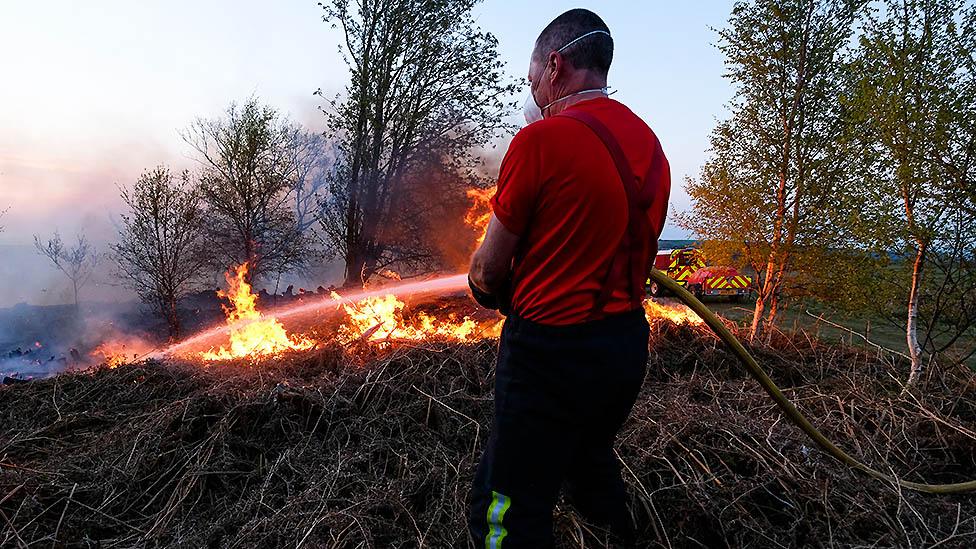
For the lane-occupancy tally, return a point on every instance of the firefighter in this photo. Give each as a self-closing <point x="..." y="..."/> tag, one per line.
<point x="581" y="200"/>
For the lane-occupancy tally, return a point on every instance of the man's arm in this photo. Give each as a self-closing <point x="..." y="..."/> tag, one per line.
<point x="492" y="262"/>
<point x="517" y="192"/>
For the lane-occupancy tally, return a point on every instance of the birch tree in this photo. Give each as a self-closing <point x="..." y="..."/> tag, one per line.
<point x="769" y="189"/>
<point x="914" y="101"/>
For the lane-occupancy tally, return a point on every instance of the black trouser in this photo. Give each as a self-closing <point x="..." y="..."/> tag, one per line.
<point x="561" y="395"/>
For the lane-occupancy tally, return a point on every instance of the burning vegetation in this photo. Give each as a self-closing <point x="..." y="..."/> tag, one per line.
<point x="379" y="319"/>
<point x="479" y="213"/>
<point x="252" y="335"/>
<point x="384" y="318"/>
<point x="116" y="352"/>
<point x="658" y="309"/>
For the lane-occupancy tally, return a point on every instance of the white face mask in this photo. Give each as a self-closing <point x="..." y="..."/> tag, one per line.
<point x="531" y="109"/>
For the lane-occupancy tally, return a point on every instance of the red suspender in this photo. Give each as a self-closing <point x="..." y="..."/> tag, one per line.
<point x="629" y="251"/>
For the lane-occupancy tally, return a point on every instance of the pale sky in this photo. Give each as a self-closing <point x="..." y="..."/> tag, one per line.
<point x="94" y="92"/>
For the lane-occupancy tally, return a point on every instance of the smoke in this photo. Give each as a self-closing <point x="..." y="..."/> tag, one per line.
<point x="452" y="238"/>
<point x="42" y="341"/>
<point x="44" y="198"/>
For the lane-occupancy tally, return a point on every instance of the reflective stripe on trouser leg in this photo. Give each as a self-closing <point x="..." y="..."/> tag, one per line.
<point x="496" y="514"/>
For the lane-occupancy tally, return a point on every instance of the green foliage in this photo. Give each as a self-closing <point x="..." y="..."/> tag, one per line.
<point x="252" y="162"/>
<point x="910" y="106"/>
<point x="847" y="171"/>
<point x="913" y="113"/>
<point x="769" y="189"/>
<point x="849" y="280"/>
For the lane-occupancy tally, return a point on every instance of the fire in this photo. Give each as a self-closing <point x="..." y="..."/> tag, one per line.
<point x="111" y="357"/>
<point x="381" y="318"/>
<point x="479" y="213"/>
<point x="251" y="333"/>
<point x="678" y="314"/>
<point x="118" y="350"/>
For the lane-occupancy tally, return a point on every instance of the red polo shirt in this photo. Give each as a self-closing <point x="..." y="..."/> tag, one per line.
<point x="558" y="189"/>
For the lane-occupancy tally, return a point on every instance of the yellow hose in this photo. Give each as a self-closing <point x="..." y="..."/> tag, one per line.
<point x="784" y="403"/>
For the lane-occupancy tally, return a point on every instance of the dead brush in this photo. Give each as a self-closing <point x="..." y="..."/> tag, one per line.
<point x="375" y="447"/>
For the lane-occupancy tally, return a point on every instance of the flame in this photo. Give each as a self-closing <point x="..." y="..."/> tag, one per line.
<point x="676" y="313"/>
<point x="118" y="350"/>
<point x="112" y="357"/>
<point x="251" y="333"/>
<point x="381" y="318"/>
<point x="479" y="212"/>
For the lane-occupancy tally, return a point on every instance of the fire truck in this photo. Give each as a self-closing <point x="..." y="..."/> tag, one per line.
<point x="688" y="267"/>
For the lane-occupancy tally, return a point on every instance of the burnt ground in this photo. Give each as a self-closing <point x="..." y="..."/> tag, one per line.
<point x="362" y="446"/>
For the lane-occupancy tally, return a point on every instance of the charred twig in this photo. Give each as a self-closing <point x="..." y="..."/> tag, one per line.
<point x="63" y="511"/>
<point x="477" y="426"/>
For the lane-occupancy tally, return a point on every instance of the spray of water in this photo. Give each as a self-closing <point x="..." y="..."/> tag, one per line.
<point x="438" y="285"/>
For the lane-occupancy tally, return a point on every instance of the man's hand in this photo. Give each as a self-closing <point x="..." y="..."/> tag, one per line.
<point x="500" y="300"/>
<point x="491" y="266"/>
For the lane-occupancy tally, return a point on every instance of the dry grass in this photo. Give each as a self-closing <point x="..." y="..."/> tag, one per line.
<point x="376" y="448"/>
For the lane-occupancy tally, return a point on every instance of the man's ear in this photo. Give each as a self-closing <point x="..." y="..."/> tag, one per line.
<point x="556" y="61"/>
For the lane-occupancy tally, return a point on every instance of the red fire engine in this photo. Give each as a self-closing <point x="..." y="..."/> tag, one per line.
<point x="688" y="267"/>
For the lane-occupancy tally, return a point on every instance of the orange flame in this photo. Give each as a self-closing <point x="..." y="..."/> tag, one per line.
<point x="381" y="318"/>
<point x="110" y="356"/>
<point x="479" y="212"/>
<point x="118" y="350"/>
<point x="251" y="333"/>
<point x="676" y="313"/>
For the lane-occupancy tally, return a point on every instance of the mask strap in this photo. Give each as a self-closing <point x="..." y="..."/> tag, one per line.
<point x="605" y="91"/>
<point x="577" y="39"/>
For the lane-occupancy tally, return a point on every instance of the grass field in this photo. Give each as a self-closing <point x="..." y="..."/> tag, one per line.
<point x="877" y="330"/>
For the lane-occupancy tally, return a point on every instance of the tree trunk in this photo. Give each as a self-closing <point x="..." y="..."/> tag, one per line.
<point x="757" y="316"/>
<point x="172" y="319"/>
<point x="773" y="299"/>
<point x="770" y="282"/>
<point x="773" y="310"/>
<point x="764" y="294"/>
<point x="911" y="327"/>
<point x="250" y="253"/>
<point x="354" y="269"/>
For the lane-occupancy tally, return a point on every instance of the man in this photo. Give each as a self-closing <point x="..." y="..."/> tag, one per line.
<point x="581" y="200"/>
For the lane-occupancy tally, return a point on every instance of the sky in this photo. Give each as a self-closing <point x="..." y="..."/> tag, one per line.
<point x="94" y="93"/>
